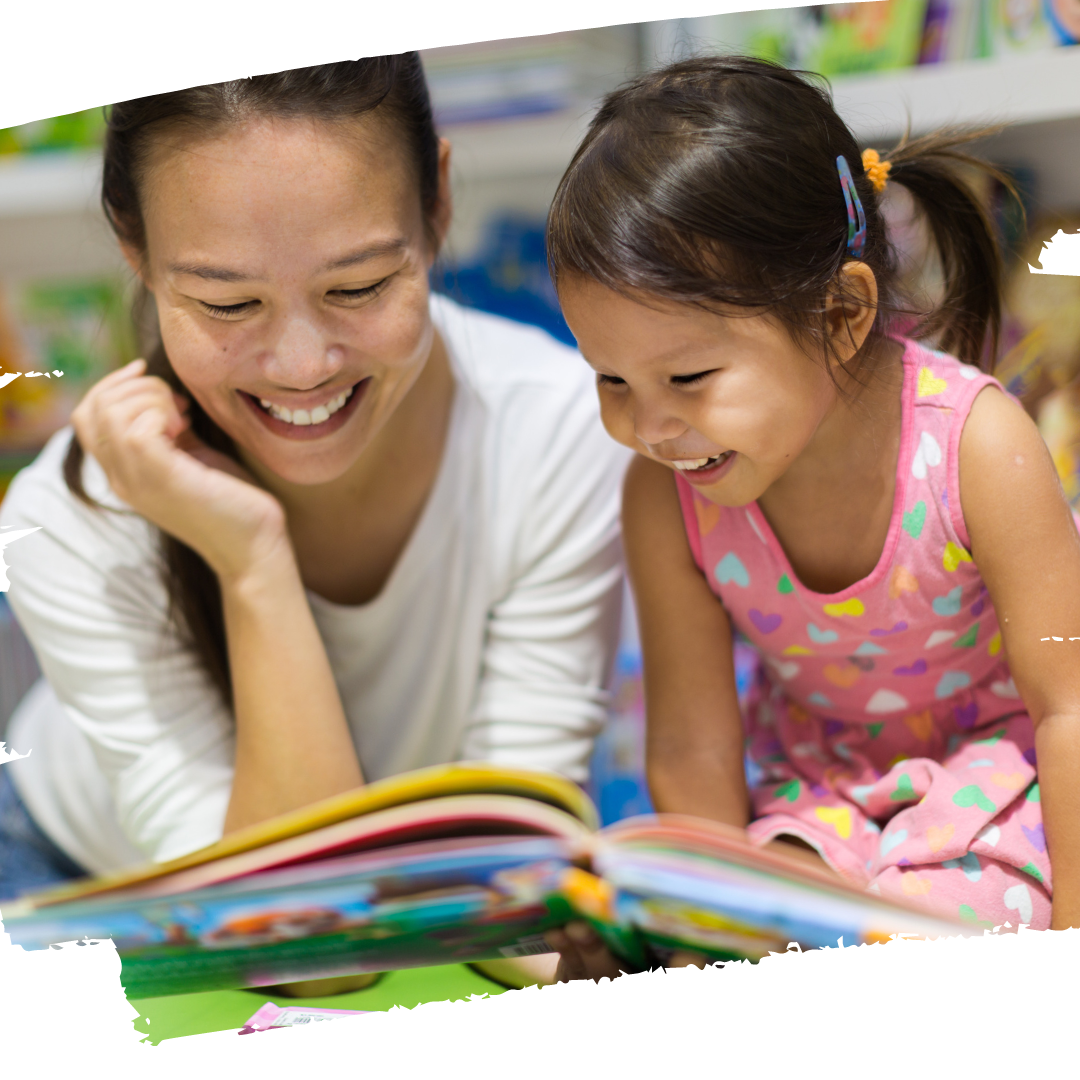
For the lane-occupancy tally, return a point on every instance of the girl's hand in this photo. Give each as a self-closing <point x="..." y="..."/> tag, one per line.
<point x="582" y="955"/>
<point x="138" y="431"/>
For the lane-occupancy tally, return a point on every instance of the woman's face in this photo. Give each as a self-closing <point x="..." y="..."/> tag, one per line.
<point x="289" y="261"/>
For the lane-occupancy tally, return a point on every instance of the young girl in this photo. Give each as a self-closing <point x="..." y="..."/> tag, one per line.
<point x="877" y="517"/>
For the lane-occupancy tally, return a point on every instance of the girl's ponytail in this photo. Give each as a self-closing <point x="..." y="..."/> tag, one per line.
<point x="967" y="320"/>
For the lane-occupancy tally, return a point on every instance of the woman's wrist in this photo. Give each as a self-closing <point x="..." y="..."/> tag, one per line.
<point x="261" y="577"/>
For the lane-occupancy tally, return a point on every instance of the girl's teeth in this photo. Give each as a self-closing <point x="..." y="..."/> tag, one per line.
<point x="692" y="464"/>
<point x="303" y="417"/>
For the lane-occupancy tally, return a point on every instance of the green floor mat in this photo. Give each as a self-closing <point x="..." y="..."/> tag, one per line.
<point x="220" y="1010"/>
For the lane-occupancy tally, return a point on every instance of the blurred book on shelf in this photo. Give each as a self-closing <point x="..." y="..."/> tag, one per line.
<point x="56" y="338"/>
<point x="1041" y="349"/>
<point x="499" y="80"/>
<point x="73" y="131"/>
<point x="888" y="35"/>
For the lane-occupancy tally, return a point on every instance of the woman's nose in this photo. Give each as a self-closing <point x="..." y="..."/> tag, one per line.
<point x="300" y="356"/>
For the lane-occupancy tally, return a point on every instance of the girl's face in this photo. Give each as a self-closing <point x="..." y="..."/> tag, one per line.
<point x="729" y="402"/>
<point x="289" y="260"/>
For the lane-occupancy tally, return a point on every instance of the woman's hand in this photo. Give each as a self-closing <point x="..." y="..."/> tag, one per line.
<point x="293" y="743"/>
<point x="138" y="431"/>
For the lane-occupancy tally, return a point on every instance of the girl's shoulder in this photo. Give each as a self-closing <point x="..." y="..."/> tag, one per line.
<point x="941" y="380"/>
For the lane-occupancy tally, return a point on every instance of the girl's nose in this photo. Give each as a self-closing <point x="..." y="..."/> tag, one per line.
<point x="301" y="356"/>
<point x="654" y="424"/>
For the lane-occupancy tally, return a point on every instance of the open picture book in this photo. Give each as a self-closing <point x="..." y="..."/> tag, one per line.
<point x="445" y="865"/>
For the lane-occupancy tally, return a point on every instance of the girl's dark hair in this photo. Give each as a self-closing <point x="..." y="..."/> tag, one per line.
<point x="714" y="181"/>
<point x="393" y="85"/>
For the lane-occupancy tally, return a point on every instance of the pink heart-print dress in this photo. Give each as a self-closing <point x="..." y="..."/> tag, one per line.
<point x="883" y="727"/>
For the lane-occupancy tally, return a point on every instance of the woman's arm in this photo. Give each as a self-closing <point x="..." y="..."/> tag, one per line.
<point x="1025" y="544"/>
<point x="694" y="746"/>
<point x="293" y="744"/>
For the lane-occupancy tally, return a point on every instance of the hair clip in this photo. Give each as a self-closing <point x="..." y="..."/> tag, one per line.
<point x="856" y="229"/>
<point x="877" y="171"/>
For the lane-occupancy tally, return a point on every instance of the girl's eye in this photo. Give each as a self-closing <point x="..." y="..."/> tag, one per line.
<point x="689" y="380"/>
<point x="227" y="311"/>
<point x="610" y="380"/>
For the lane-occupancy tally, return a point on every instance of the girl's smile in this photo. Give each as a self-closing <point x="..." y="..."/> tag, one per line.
<point x="729" y="402"/>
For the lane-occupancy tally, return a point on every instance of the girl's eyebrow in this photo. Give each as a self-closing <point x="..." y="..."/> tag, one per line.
<point x="354" y="258"/>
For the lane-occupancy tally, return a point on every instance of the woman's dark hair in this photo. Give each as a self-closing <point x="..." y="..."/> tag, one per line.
<point x="714" y="181"/>
<point x="393" y="85"/>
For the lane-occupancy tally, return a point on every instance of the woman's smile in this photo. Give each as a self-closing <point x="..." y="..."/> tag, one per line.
<point x="306" y="421"/>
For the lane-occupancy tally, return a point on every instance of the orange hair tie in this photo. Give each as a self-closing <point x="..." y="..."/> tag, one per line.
<point x="877" y="171"/>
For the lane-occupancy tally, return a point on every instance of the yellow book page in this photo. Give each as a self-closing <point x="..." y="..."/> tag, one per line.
<point x="463" y="778"/>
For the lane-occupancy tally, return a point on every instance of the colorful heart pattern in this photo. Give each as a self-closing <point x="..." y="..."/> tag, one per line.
<point x="821" y="637"/>
<point x="914" y="520"/>
<point x="1017" y="898"/>
<point x="839" y="817"/>
<point x="765" y="624"/>
<point x="730" y="569"/>
<point x="907" y="665"/>
<point x="929" y="384"/>
<point x="953" y="556"/>
<point x="708" y="515"/>
<point x="927" y="456"/>
<point x="902" y="580"/>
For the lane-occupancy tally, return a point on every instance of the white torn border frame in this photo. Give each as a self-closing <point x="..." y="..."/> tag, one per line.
<point x="1060" y="256"/>
<point x="950" y="1007"/>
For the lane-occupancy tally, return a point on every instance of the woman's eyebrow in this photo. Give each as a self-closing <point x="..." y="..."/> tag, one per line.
<point x="354" y="258"/>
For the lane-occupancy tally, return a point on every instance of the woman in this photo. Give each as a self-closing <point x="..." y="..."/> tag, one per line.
<point x="334" y="528"/>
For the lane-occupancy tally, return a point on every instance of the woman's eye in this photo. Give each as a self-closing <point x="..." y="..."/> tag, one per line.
<point x="610" y="380"/>
<point x="226" y="311"/>
<point x="689" y="380"/>
<point x="365" y="293"/>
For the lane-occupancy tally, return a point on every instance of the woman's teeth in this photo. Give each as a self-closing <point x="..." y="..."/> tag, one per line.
<point x="304" y="417"/>
<point x="690" y="464"/>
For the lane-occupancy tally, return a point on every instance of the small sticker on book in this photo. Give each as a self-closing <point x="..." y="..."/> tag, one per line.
<point x="275" y="1016"/>
<point x="527" y="946"/>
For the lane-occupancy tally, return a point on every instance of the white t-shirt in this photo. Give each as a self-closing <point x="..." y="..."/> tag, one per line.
<point x="492" y="638"/>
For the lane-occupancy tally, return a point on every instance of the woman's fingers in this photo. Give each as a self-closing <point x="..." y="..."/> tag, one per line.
<point x="109" y="418"/>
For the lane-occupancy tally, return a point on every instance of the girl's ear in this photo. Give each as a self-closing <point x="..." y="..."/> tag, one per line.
<point x="850" y="310"/>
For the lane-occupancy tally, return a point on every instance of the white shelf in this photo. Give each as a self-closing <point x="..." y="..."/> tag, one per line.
<point x="518" y="146"/>
<point x="1023" y="89"/>
<point x="1019" y="90"/>
<point x="49" y="183"/>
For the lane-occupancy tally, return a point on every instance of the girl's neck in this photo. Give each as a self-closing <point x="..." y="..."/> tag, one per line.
<point x="831" y="510"/>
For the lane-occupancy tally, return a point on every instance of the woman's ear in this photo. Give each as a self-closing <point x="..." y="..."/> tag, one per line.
<point x="134" y="258"/>
<point x="850" y="309"/>
<point x="444" y="204"/>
